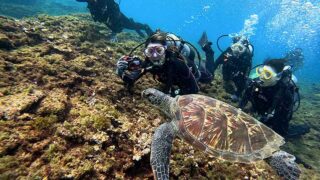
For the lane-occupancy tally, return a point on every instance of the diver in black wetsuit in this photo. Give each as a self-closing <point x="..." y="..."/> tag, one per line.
<point x="169" y="60"/>
<point x="272" y="97"/>
<point x="236" y="63"/>
<point x="108" y="12"/>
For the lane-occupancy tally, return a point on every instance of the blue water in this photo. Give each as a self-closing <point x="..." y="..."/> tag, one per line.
<point x="282" y="25"/>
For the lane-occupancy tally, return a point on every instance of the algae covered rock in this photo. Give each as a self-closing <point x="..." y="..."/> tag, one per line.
<point x="5" y="42"/>
<point x="54" y="103"/>
<point x="45" y="123"/>
<point x="83" y="124"/>
<point x="13" y="105"/>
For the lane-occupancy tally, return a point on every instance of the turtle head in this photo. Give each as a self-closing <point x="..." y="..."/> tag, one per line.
<point x="157" y="98"/>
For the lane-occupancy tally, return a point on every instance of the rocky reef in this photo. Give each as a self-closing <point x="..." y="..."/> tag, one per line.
<point x="64" y="114"/>
<point x="29" y="8"/>
<point x="307" y="147"/>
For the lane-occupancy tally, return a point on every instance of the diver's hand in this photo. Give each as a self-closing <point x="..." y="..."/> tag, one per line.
<point x="122" y="65"/>
<point x="174" y="92"/>
<point x="227" y="56"/>
<point x="266" y="118"/>
<point x="207" y="47"/>
<point x="177" y="92"/>
<point x="287" y="70"/>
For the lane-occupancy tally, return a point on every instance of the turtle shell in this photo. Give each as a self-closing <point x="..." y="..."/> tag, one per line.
<point x="224" y="131"/>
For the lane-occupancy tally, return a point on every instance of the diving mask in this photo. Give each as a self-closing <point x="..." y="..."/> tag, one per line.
<point x="154" y="51"/>
<point x="238" y="49"/>
<point x="267" y="75"/>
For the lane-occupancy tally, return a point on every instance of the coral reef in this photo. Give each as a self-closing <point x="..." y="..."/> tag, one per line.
<point x="66" y="115"/>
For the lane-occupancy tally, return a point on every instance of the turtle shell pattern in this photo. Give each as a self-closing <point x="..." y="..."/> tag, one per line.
<point x="224" y="131"/>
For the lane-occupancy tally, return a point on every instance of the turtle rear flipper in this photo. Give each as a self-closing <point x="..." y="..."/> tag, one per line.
<point x="284" y="164"/>
<point x="160" y="151"/>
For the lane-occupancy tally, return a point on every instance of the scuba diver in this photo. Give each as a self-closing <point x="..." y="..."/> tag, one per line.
<point x="169" y="59"/>
<point x="272" y="96"/>
<point x="236" y="63"/>
<point x="295" y="58"/>
<point x="108" y="12"/>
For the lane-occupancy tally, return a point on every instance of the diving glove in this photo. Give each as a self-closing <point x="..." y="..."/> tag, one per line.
<point x="207" y="47"/>
<point x="266" y="118"/>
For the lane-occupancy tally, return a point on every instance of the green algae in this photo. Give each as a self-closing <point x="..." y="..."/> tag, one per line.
<point x="7" y="163"/>
<point x="45" y="123"/>
<point x="4" y="135"/>
<point x="51" y="152"/>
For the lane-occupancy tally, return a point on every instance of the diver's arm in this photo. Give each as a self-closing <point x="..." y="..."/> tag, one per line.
<point x="187" y="79"/>
<point x="283" y="87"/>
<point x="287" y="96"/>
<point x="249" y="67"/>
<point x="277" y="98"/>
<point x="245" y="98"/>
<point x="217" y="62"/>
<point x="223" y="57"/>
<point x="209" y="58"/>
<point x="169" y="79"/>
<point x="191" y="85"/>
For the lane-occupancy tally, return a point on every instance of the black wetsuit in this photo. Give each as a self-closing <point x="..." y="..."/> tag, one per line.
<point x="207" y="72"/>
<point x="277" y="100"/>
<point x="108" y="12"/>
<point x="174" y="72"/>
<point x="201" y="73"/>
<point x="234" y="69"/>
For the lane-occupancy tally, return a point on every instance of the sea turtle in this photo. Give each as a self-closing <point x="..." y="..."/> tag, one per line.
<point x="216" y="128"/>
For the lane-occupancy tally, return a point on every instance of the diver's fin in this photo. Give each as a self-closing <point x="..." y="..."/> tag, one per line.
<point x="203" y="40"/>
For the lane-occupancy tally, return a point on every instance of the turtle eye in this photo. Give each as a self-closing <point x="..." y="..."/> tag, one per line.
<point x="146" y="94"/>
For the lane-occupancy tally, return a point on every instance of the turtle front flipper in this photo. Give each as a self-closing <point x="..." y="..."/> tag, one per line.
<point x="284" y="164"/>
<point x="160" y="151"/>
